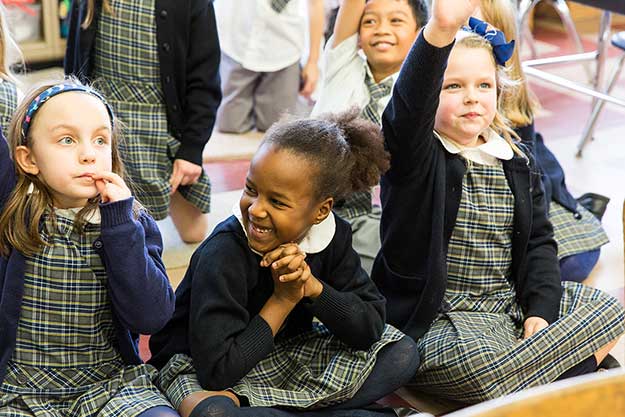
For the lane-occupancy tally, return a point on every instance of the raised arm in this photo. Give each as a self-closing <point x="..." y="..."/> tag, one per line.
<point x="408" y="120"/>
<point x="347" y="20"/>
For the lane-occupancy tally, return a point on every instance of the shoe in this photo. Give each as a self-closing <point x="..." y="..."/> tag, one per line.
<point x="609" y="362"/>
<point x="594" y="203"/>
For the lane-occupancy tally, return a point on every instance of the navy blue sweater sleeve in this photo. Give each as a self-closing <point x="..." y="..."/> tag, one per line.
<point x="350" y="305"/>
<point x="408" y="119"/>
<point x="542" y="290"/>
<point x="141" y="295"/>
<point x="7" y="172"/>
<point x="226" y="341"/>
<point x="203" y="88"/>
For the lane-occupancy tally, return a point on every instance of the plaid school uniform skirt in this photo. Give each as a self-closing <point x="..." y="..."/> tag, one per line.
<point x="65" y="363"/>
<point x="475" y="350"/>
<point x="311" y="370"/>
<point x="127" y="71"/>
<point x="8" y="104"/>
<point x="573" y="235"/>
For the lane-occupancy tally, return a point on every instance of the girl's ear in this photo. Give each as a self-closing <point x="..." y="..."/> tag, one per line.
<point x="324" y="210"/>
<point x="26" y="160"/>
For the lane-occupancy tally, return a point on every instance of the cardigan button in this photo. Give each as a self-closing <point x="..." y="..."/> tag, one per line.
<point x="167" y="79"/>
<point x="577" y="215"/>
<point x="166" y="47"/>
<point x="97" y="244"/>
<point x="175" y="107"/>
<point x="163" y="14"/>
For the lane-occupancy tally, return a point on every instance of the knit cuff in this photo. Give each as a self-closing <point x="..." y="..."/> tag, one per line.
<point x="330" y="303"/>
<point x="257" y="341"/>
<point x="116" y="213"/>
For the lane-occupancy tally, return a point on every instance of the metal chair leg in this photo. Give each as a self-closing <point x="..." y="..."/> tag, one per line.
<point x="598" y="106"/>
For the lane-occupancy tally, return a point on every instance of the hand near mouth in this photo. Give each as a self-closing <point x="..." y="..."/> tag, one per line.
<point x="111" y="187"/>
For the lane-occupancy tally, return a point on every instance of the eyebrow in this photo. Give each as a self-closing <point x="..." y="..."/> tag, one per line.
<point x="69" y="127"/>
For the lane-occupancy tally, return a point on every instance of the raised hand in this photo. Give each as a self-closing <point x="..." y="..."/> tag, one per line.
<point x="446" y="18"/>
<point x="111" y="187"/>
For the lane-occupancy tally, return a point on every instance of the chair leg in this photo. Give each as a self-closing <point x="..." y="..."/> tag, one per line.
<point x="598" y="106"/>
<point x="564" y="12"/>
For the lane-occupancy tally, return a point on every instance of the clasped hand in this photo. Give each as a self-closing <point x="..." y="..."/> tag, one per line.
<point x="291" y="274"/>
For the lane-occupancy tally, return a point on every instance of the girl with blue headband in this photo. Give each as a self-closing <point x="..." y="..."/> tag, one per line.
<point x="468" y="262"/>
<point x="81" y="274"/>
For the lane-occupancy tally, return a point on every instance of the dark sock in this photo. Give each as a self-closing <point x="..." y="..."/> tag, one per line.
<point x="586" y="366"/>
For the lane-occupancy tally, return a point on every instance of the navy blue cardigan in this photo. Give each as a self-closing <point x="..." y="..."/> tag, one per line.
<point x="420" y="198"/>
<point x="141" y="297"/>
<point x="217" y="304"/>
<point x="188" y="54"/>
<point x="552" y="172"/>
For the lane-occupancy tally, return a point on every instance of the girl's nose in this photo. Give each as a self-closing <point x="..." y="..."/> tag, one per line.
<point x="87" y="155"/>
<point x="256" y="209"/>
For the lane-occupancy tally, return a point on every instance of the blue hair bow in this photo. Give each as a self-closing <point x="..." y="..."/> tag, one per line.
<point x="501" y="49"/>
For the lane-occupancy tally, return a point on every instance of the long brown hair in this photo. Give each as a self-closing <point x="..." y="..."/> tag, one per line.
<point x="31" y="198"/>
<point x="106" y="6"/>
<point x="505" y="86"/>
<point x="520" y="106"/>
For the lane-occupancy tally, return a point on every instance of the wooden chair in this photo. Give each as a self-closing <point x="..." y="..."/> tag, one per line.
<point x="597" y="394"/>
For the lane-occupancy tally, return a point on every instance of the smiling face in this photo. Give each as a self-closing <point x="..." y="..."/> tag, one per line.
<point x="68" y="147"/>
<point x="387" y="31"/>
<point x="468" y="99"/>
<point x="278" y="204"/>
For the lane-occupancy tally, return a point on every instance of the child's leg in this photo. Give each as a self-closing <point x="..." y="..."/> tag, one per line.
<point x="578" y="267"/>
<point x="224" y="407"/>
<point x="276" y="93"/>
<point x="237" y="84"/>
<point x="160" y="411"/>
<point x="191" y="223"/>
<point x="395" y="366"/>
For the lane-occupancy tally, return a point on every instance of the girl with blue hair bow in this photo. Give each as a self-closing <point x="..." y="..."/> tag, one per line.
<point x="468" y="262"/>
<point x="81" y="274"/>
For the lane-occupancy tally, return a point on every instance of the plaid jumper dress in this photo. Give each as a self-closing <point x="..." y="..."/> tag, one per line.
<point x="575" y="235"/>
<point x="8" y="104"/>
<point x="311" y="370"/>
<point x="65" y="363"/>
<point x="475" y="349"/>
<point x="127" y="71"/>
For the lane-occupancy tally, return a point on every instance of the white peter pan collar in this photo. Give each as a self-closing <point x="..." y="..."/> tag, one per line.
<point x="70" y="213"/>
<point x="487" y="153"/>
<point x="317" y="239"/>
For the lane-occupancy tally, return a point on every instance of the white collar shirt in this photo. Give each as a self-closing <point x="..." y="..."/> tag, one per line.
<point x="344" y="70"/>
<point x="259" y="38"/>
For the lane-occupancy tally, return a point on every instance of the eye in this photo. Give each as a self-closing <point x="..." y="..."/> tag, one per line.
<point x="452" y="86"/>
<point x="368" y="21"/>
<point x="485" y="85"/>
<point x="249" y="190"/>
<point x="397" y="20"/>
<point x="66" y="140"/>
<point x="100" y="141"/>
<point x="278" y="203"/>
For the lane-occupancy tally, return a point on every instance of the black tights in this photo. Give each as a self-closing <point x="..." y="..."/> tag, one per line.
<point x="395" y="366"/>
<point x="160" y="411"/>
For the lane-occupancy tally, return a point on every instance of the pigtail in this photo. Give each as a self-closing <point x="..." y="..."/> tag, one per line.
<point x="368" y="159"/>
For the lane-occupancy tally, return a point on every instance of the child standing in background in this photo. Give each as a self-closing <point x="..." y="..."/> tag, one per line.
<point x="157" y="62"/>
<point x="468" y="262"/>
<point x="245" y="309"/>
<point x="263" y="42"/>
<point x="577" y="231"/>
<point x="81" y="266"/>
<point x="361" y="62"/>
<point x="9" y="93"/>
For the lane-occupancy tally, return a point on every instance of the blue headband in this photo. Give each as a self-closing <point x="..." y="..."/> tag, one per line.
<point x="501" y="49"/>
<point x="56" y="90"/>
